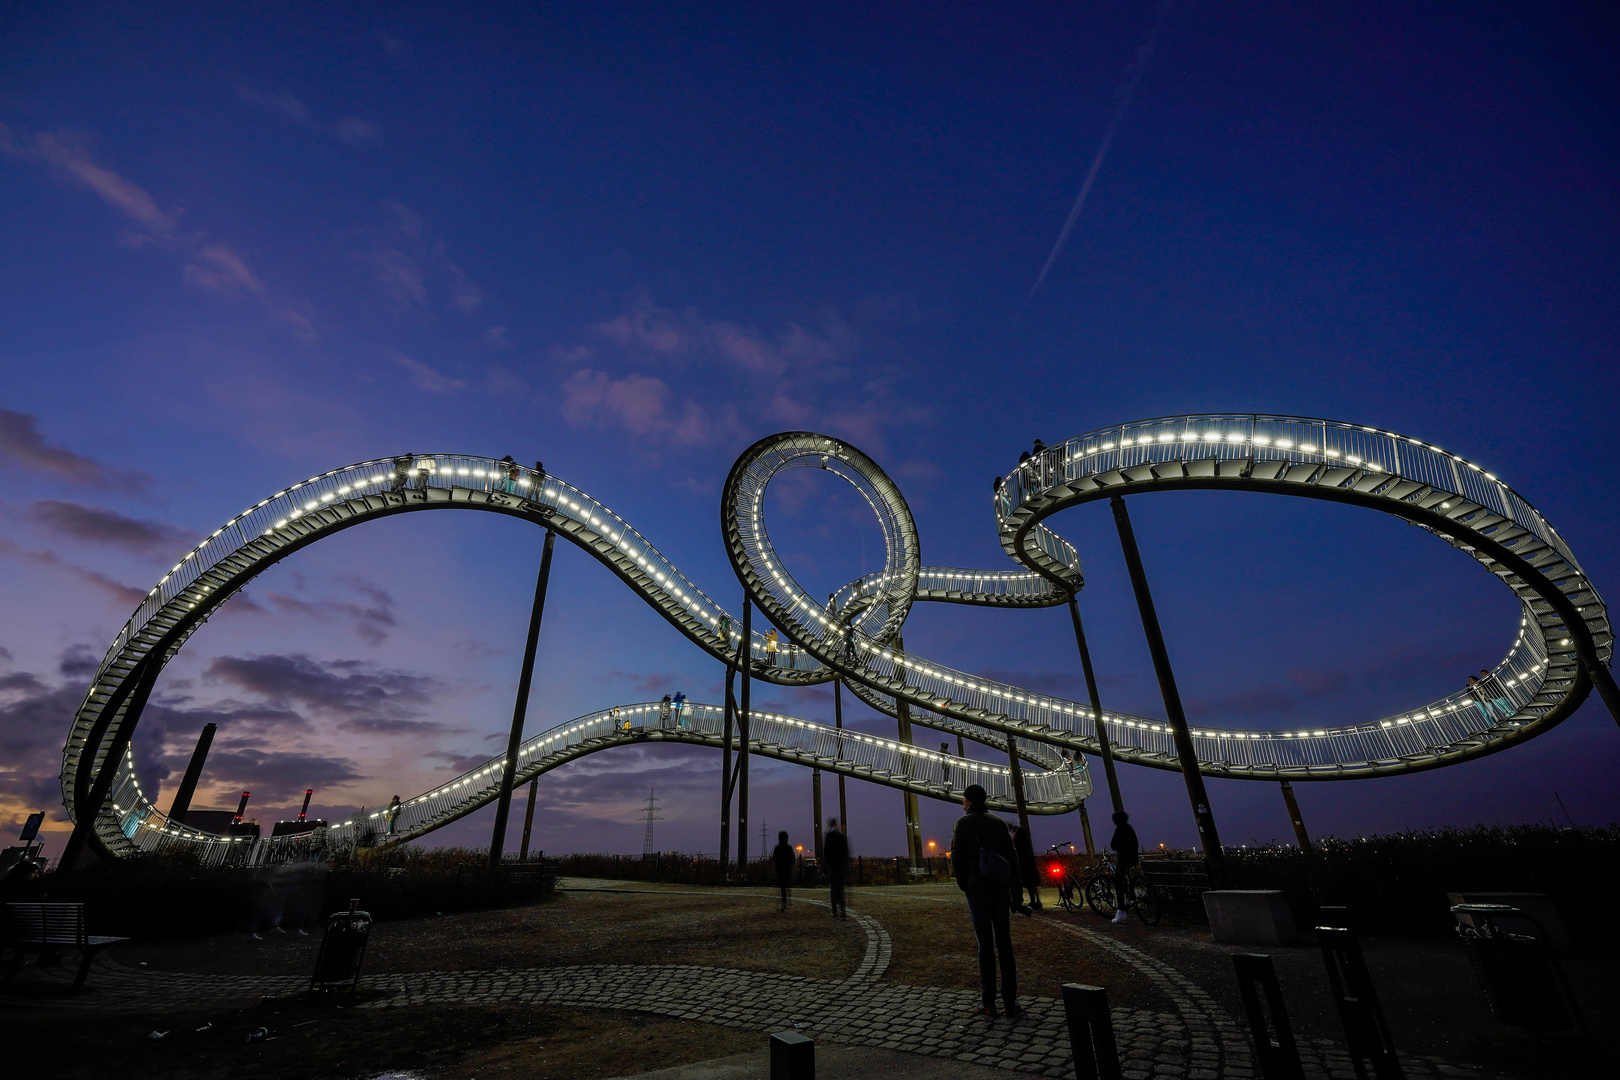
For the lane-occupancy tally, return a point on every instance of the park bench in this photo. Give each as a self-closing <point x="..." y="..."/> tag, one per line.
<point x="43" y="928"/>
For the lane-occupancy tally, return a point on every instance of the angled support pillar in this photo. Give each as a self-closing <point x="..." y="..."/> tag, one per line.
<point x="188" y="784"/>
<point x="503" y="807"/>
<point x="528" y="820"/>
<point x="1085" y="829"/>
<point x="1295" y="817"/>
<point x="1103" y="748"/>
<point x="1190" y="773"/>
<point x="908" y="798"/>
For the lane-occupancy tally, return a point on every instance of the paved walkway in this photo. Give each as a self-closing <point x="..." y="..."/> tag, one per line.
<point x="1198" y="1041"/>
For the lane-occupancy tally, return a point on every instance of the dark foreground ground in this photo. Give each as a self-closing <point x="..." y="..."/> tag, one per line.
<point x="1426" y="986"/>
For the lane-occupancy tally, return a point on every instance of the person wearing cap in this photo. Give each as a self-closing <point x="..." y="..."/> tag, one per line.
<point x="985" y="864"/>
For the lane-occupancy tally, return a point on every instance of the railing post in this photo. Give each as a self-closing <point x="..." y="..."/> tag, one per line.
<point x="1185" y="751"/>
<point x="520" y="710"/>
<point x="1091" y="1032"/>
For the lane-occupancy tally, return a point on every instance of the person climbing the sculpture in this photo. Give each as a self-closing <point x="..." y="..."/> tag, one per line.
<point x="1480" y="697"/>
<point x="663" y="712"/>
<point x="985" y="865"/>
<point x="392" y="814"/>
<point x="509" y="475"/>
<point x="1493" y="689"/>
<point x="402" y="472"/>
<point x="1127" y="854"/>
<point x="680" y="709"/>
<point x="783" y="857"/>
<point x="770" y="646"/>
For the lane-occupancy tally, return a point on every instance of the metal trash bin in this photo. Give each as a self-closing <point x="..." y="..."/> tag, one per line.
<point x="1519" y="974"/>
<point x="343" y="948"/>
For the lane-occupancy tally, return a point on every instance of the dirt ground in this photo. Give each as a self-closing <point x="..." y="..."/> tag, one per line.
<point x="315" y="1042"/>
<point x="717" y="928"/>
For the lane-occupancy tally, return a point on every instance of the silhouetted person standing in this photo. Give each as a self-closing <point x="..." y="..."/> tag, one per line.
<point x="784" y="858"/>
<point x="835" y="856"/>
<point x="985" y="865"/>
<point x="1127" y="853"/>
<point x="1028" y="873"/>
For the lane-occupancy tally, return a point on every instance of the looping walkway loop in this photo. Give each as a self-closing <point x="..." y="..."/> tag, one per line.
<point x="1564" y="640"/>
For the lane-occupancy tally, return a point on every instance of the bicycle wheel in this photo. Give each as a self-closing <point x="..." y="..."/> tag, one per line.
<point x="1100" y="895"/>
<point x="1145" y="901"/>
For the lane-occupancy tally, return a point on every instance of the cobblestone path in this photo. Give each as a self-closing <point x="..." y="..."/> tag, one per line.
<point x="1197" y="1041"/>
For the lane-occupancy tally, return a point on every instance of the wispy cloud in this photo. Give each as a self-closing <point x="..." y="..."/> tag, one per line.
<point x="98" y="525"/>
<point x="211" y="264"/>
<point x="67" y="154"/>
<point x="423" y="376"/>
<point x="23" y="446"/>
<point x="124" y="595"/>
<point x="348" y="129"/>
<point x="219" y="268"/>
<point x="413" y="267"/>
<point x="733" y="379"/>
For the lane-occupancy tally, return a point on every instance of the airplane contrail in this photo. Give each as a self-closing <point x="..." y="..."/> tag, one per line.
<point x="1123" y="94"/>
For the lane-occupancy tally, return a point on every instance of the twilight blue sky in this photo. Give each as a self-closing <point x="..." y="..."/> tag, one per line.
<point x="241" y="244"/>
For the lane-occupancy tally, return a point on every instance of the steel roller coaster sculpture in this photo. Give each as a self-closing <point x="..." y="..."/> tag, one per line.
<point x="1563" y="645"/>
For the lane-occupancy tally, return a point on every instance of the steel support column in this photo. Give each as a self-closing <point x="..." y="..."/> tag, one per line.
<point x="1085" y="828"/>
<point x="1295" y="817"/>
<point x="730" y="713"/>
<point x="188" y="784"/>
<point x="1190" y="773"/>
<point x="528" y="820"/>
<point x="902" y="710"/>
<point x="520" y="710"/>
<point x="815" y="811"/>
<point x="1103" y="749"/>
<point x="838" y="721"/>
<point x="745" y="655"/>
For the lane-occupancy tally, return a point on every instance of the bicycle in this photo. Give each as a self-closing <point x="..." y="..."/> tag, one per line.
<point x="1071" y="889"/>
<point x="1095" y="886"/>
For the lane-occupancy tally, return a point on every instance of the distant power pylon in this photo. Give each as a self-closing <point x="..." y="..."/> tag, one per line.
<point x="651" y="815"/>
<point x="763" y="833"/>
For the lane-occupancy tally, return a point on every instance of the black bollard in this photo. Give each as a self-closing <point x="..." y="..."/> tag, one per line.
<point x="793" y="1056"/>
<point x="1365" y="1032"/>
<point x="1274" y="1047"/>
<point x="1091" y="1032"/>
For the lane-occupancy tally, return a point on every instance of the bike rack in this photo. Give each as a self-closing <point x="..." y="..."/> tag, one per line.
<point x="1274" y="1048"/>
<point x="1365" y="1032"/>
<point x="1091" y="1032"/>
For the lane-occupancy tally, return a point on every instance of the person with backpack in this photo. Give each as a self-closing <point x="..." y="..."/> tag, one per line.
<point x="985" y="865"/>
<point x="835" y="856"/>
<point x="783" y="856"/>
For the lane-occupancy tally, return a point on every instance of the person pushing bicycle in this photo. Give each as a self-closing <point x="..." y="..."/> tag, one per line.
<point x="1127" y="852"/>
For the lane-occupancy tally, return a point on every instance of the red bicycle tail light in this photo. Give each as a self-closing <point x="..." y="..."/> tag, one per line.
<point x="1057" y="871"/>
